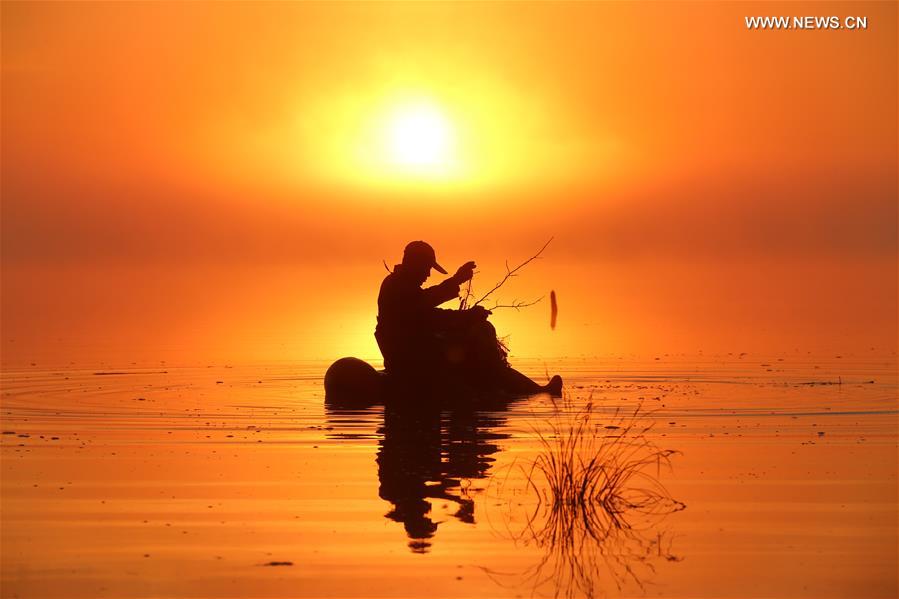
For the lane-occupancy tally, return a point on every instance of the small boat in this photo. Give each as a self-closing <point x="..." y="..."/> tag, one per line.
<point x="354" y="383"/>
<point x="351" y="382"/>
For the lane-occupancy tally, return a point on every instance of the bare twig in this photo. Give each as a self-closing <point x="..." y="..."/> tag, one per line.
<point x="463" y="301"/>
<point x="517" y="304"/>
<point x="511" y="272"/>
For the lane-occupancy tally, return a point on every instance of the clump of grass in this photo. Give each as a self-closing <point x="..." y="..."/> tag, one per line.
<point x="601" y="469"/>
<point x="597" y="500"/>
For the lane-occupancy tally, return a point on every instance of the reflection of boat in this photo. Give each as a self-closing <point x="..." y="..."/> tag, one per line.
<point x="351" y="382"/>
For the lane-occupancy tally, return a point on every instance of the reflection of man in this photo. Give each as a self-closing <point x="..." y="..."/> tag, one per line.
<point x="408" y="459"/>
<point x="425" y="455"/>
<point x="419" y="340"/>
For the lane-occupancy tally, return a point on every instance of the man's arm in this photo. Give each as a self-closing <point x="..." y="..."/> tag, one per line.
<point x="449" y="289"/>
<point x="444" y="292"/>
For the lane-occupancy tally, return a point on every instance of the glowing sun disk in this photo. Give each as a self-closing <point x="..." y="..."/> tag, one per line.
<point x="420" y="137"/>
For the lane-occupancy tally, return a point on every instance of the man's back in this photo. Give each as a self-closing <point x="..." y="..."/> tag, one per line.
<point x="408" y="318"/>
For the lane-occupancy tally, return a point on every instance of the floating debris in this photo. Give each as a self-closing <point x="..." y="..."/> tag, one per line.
<point x="121" y="372"/>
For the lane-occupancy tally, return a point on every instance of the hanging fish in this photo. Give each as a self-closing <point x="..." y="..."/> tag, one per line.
<point x="553" y="310"/>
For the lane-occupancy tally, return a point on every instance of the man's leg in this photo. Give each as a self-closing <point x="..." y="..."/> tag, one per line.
<point x="515" y="382"/>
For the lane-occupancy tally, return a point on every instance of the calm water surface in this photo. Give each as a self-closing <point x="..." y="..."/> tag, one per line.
<point x="220" y="481"/>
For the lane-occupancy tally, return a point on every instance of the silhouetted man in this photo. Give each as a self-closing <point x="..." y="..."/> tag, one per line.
<point x="420" y="341"/>
<point x="410" y="325"/>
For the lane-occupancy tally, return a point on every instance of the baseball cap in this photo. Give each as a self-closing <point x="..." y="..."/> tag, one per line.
<point x="421" y="253"/>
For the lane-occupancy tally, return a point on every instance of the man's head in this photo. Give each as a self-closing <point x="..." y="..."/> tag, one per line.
<point x="419" y="257"/>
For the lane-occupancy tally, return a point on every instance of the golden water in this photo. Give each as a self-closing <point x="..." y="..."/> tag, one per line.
<point x="218" y="481"/>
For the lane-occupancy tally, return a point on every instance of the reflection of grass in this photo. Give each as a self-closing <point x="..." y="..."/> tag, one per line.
<point x="598" y="499"/>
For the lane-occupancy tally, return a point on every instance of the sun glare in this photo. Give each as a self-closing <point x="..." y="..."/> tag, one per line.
<point x="431" y="136"/>
<point x="420" y="139"/>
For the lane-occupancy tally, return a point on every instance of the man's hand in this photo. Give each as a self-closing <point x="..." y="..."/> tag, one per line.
<point x="479" y="312"/>
<point x="465" y="272"/>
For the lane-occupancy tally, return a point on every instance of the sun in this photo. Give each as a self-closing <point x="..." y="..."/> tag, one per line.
<point x="420" y="139"/>
<point x="399" y="139"/>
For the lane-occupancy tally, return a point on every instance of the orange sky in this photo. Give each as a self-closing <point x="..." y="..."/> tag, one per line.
<point x="202" y="181"/>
